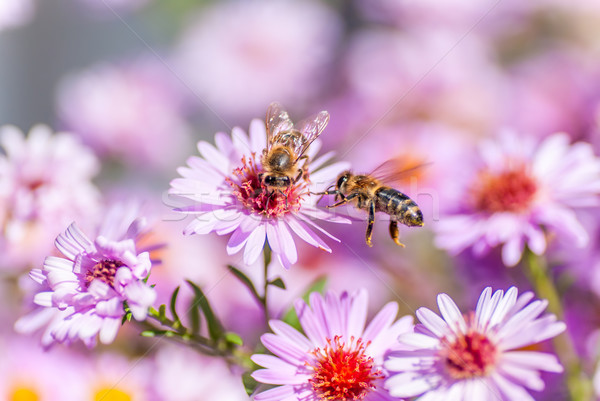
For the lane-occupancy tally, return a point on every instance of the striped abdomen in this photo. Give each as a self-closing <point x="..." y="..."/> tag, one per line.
<point x="399" y="206"/>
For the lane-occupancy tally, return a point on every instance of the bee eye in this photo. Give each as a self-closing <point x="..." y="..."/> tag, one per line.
<point x="341" y="180"/>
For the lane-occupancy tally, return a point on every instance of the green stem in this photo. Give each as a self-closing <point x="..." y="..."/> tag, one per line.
<point x="578" y="382"/>
<point x="267" y="262"/>
<point x="206" y="346"/>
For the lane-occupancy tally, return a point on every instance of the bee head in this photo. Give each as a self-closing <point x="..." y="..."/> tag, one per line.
<point x="342" y="179"/>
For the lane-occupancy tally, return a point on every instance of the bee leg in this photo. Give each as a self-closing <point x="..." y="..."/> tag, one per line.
<point x="344" y="199"/>
<point x="394" y="232"/>
<point x="371" y="223"/>
<point x="285" y="196"/>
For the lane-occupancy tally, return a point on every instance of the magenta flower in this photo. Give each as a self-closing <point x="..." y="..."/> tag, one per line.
<point x="87" y="287"/>
<point x="229" y="197"/>
<point x="477" y="356"/>
<point x="336" y="358"/>
<point x="45" y="183"/>
<point x="523" y="191"/>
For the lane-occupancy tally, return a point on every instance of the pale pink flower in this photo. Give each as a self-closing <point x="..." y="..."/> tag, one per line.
<point x="181" y="374"/>
<point x="229" y="198"/>
<point x="29" y="373"/>
<point x="522" y="191"/>
<point x="45" y="183"/>
<point x="132" y="111"/>
<point x="477" y="356"/>
<point x="238" y="56"/>
<point x="82" y="295"/>
<point x="15" y="13"/>
<point x="336" y="358"/>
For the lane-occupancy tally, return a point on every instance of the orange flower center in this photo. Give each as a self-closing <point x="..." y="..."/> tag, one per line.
<point x="343" y="371"/>
<point x="508" y="191"/>
<point x="255" y="196"/>
<point x="468" y="356"/>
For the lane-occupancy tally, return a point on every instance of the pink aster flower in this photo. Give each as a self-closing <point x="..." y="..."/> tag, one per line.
<point x="132" y="111"/>
<point x="271" y="49"/>
<point x="45" y="183"/>
<point x="336" y="358"/>
<point x="522" y="191"/>
<point x="229" y="197"/>
<point x="477" y="356"/>
<point x="87" y="287"/>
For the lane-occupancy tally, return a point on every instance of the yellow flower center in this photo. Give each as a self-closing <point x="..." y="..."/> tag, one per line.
<point x="112" y="394"/>
<point x="24" y="394"/>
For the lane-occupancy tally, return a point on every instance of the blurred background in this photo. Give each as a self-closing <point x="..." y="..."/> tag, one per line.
<point x="139" y="82"/>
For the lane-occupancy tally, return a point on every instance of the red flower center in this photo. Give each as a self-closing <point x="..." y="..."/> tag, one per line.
<point x="104" y="270"/>
<point x="470" y="355"/>
<point x="508" y="191"/>
<point x="255" y="196"/>
<point x="343" y="371"/>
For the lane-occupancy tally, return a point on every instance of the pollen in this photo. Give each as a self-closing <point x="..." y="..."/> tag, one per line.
<point x="104" y="270"/>
<point x="468" y="356"/>
<point x="343" y="371"/>
<point x="256" y="197"/>
<point x="509" y="191"/>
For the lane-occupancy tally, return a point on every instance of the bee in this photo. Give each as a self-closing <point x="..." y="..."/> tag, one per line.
<point x="286" y="146"/>
<point x="368" y="192"/>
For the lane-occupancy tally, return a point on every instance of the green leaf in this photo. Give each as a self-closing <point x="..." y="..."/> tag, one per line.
<point x="245" y="280"/>
<point x="234" y="338"/>
<point x="290" y="316"/>
<point x="127" y="316"/>
<point x="194" y="315"/>
<point x="278" y="282"/>
<point x="148" y="333"/>
<point x="162" y="315"/>
<point x="249" y="383"/>
<point x="215" y="328"/>
<point x="172" y="305"/>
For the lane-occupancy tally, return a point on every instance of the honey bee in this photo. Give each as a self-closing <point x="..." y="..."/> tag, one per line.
<point x="368" y="192"/>
<point x="286" y="144"/>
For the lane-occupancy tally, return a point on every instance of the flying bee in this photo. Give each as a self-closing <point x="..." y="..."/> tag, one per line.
<point x="368" y="192"/>
<point x="286" y="146"/>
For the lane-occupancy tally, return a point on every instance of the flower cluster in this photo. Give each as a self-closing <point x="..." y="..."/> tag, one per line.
<point x="479" y="356"/>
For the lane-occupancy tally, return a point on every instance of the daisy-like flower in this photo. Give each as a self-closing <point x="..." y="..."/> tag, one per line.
<point x="45" y="183"/>
<point x="478" y="356"/>
<point x="87" y="287"/>
<point x="523" y="191"/>
<point x="337" y="358"/>
<point x="229" y="197"/>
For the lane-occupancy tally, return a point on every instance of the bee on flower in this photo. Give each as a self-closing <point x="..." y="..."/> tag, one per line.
<point x="258" y="187"/>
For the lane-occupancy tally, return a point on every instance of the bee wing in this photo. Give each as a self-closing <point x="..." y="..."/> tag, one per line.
<point x="277" y="120"/>
<point x="394" y="171"/>
<point x="310" y="128"/>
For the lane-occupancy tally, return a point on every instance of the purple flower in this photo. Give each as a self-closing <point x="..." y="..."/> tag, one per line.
<point x="229" y="197"/>
<point x="477" y="356"/>
<point x="87" y="287"/>
<point x="522" y="191"/>
<point x="336" y="358"/>
<point x="45" y="183"/>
